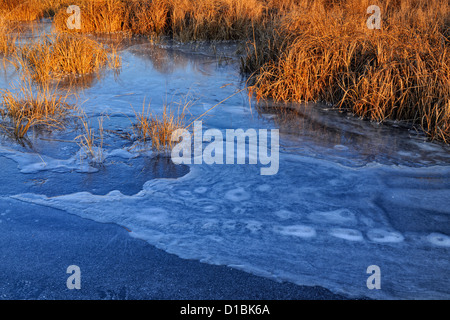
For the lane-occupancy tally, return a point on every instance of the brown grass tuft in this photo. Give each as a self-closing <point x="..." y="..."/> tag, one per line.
<point x="159" y="128"/>
<point x="7" y="38"/>
<point x="30" y="106"/>
<point x="30" y="10"/>
<point x="62" y="55"/>
<point x="183" y="19"/>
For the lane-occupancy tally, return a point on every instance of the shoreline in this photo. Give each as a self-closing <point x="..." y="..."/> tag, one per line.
<point x="40" y="243"/>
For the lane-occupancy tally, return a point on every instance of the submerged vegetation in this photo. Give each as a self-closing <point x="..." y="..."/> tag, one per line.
<point x="295" y="50"/>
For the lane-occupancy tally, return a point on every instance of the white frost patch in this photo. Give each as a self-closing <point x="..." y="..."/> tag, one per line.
<point x="296" y="231"/>
<point x="33" y="162"/>
<point x="384" y="236"/>
<point x="347" y="234"/>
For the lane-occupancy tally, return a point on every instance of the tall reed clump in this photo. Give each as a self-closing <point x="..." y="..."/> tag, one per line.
<point x="183" y="19"/>
<point x="401" y="72"/>
<point x="158" y="129"/>
<point x="90" y="141"/>
<point x="60" y="55"/>
<point x="7" y="40"/>
<point x="30" y="106"/>
<point x="214" y="20"/>
<point x="30" y="10"/>
<point x="110" y="16"/>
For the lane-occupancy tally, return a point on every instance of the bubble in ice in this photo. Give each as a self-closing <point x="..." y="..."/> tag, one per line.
<point x="301" y="231"/>
<point x="284" y="214"/>
<point x="384" y="236"/>
<point x="264" y="188"/>
<point x="185" y="193"/>
<point x="439" y="239"/>
<point x="347" y="234"/>
<point x="340" y="216"/>
<point x="238" y="194"/>
<point x="340" y="147"/>
<point x="211" y="208"/>
<point x="200" y="190"/>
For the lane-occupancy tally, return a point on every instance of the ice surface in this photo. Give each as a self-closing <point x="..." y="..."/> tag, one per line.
<point x="348" y="194"/>
<point x="309" y="242"/>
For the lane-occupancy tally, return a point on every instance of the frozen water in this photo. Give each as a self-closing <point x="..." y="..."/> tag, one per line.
<point x="347" y="234"/>
<point x="384" y="236"/>
<point x="348" y="194"/>
<point x="297" y="231"/>
<point x="439" y="239"/>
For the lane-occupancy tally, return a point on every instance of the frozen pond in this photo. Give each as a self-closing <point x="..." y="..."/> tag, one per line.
<point x="348" y="193"/>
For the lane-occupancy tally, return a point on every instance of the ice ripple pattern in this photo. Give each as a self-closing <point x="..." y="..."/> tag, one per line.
<point x="314" y="223"/>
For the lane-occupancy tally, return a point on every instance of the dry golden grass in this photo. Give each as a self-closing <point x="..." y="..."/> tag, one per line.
<point x="214" y="20"/>
<point x="7" y="38"/>
<point x="325" y="52"/>
<point x="110" y="16"/>
<point x="159" y="128"/>
<point x="91" y="141"/>
<point x="60" y="55"/>
<point x="29" y="106"/>
<point x="183" y="19"/>
<point x="30" y="10"/>
<point x="297" y="50"/>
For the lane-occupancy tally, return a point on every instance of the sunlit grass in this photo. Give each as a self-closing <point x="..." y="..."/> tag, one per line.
<point x="325" y="52"/>
<point x="296" y="50"/>
<point x="29" y="10"/>
<point x="28" y="106"/>
<point x="7" y="39"/>
<point x="183" y="19"/>
<point x="158" y="128"/>
<point x="90" y="140"/>
<point x="60" y="55"/>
